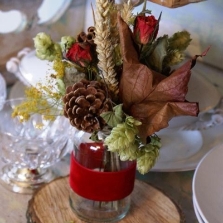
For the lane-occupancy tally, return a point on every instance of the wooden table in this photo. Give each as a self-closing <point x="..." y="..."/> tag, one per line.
<point x="176" y="185"/>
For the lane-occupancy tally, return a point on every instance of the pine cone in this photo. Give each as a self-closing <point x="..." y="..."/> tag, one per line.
<point x="84" y="102"/>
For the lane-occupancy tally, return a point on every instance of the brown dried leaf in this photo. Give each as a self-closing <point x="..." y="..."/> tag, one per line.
<point x="149" y="96"/>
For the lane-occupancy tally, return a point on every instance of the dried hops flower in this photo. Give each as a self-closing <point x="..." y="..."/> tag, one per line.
<point x="46" y="49"/>
<point x="84" y="102"/>
<point x="66" y="42"/>
<point x="124" y="140"/>
<point x="122" y="137"/>
<point x="148" y="154"/>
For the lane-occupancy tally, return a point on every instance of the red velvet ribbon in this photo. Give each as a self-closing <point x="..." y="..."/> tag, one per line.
<point x="100" y="186"/>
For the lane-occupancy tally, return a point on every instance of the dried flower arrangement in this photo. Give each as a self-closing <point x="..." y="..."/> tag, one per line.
<point x="118" y="74"/>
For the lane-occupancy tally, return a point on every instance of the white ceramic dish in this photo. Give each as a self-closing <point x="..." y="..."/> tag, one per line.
<point x="211" y="137"/>
<point x="48" y="17"/>
<point x="35" y="70"/>
<point x="200" y="220"/>
<point x="180" y="144"/>
<point x="207" y="186"/>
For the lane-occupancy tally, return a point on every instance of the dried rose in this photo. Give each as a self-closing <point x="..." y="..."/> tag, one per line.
<point x="80" y="54"/>
<point x="145" y="29"/>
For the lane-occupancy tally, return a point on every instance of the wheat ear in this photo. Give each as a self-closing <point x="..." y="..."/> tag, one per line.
<point x="126" y="12"/>
<point x="105" y="48"/>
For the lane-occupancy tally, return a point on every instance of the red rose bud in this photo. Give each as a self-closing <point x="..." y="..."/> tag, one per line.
<point x="80" y="54"/>
<point x="144" y="29"/>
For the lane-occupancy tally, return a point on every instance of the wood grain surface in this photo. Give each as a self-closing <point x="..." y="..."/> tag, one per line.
<point x="50" y="204"/>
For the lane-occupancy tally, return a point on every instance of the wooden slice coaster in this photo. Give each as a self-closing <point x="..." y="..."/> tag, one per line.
<point x="50" y="204"/>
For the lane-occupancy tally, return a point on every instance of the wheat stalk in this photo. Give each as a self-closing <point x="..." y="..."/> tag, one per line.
<point x="105" y="48"/>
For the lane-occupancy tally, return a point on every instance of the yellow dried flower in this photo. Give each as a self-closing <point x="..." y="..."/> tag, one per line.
<point x="45" y="100"/>
<point x="59" y="68"/>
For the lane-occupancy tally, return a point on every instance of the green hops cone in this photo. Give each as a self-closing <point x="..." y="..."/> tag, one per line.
<point x="174" y="57"/>
<point x="148" y="155"/>
<point x="46" y="49"/>
<point x="179" y="40"/>
<point x="147" y="160"/>
<point x="123" y="135"/>
<point x="66" y="42"/>
<point x="129" y="153"/>
<point x="120" y="138"/>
